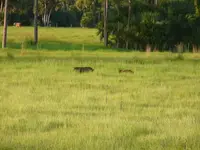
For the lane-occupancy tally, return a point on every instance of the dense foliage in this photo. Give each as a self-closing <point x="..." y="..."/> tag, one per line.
<point x="155" y="26"/>
<point x="132" y="24"/>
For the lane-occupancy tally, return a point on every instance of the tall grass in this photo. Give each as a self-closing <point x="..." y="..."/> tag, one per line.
<point x="44" y="104"/>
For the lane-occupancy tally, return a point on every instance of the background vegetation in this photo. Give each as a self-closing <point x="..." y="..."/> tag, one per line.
<point x="132" y="24"/>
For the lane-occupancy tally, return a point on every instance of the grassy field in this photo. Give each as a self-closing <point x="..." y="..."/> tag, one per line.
<point x="55" y="38"/>
<point x="44" y="104"/>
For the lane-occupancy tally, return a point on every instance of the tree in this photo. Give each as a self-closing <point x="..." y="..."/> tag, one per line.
<point x="46" y="8"/>
<point x="4" y="39"/>
<point x="1" y="6"/>
<point x="129" y="17"/>
<point x="35" y="21"/>
<point x="105" y="22"/>
<point x="197" y="9"/>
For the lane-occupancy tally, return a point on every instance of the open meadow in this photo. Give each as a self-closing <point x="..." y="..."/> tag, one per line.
<point x="44" y="104"/>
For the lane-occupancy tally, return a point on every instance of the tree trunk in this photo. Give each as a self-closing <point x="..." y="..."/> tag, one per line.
<point x="118" y="26"/>
<point x="129" y="17"/>
<point x="4" y="39"/>
<point x="35" y="22"/>
<point x="1" y="9"/>
<point x="94" y="12"/>
<point x="105" y="23"/>
<point x="148" y="48"/>
<point x="194" y="48"/>
<point x="180" y="47"/>
<point x="155" y="2"/>
<point x="48" y="18"/>
<point x="44" y="17"/>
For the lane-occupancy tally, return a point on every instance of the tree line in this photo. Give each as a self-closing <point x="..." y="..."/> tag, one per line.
<point x="131" y="24"/>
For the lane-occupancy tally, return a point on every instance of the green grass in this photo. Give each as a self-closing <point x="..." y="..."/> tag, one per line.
<point x="44" y="104"/>
<point x="55" y="38"/>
